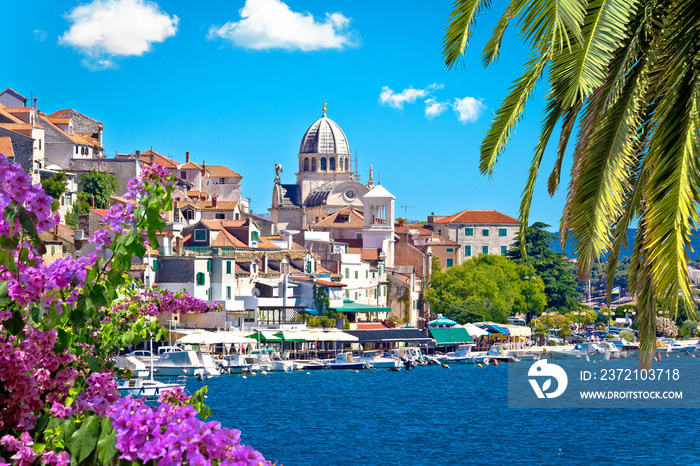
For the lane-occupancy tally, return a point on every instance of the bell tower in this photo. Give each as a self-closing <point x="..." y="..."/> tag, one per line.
<point x="378" y="230"/>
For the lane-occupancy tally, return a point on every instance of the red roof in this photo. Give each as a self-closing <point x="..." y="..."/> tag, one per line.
<point x="6" y="147"/>
<point x="480" y="216"/>
<point x="100" y="212"/>
<point x="319" y="281"/>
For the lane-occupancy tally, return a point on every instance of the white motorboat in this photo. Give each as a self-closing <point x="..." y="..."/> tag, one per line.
<point x="590" y="350"/>
<point x="500" y="354"/>
<point x="612" y="349"/>
<point x="311" y="364"/>
<point x="675" y="346"/>
<point x="409" y="353"/>
<point x="207" y="361"/>
<point x="276" y="364"/>
<point x="524" y="355"/>
<point x="149" y="388"/>
<point x="464" y="355"/>
<point x="234" y="364"/>
<point x="374" y="359"/>
<point x="177" y="363"/>
<point x="347" y="361"/>
<point x="138" y="368"/>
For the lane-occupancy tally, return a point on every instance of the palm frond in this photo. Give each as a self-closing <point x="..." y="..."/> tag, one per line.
<point x="642" y="284"/>
<point x="578" y="73"/>
<point x="493" y="46"/>
<point x="462" y="19"/>
<point x="567" y="127"/>
<point x="509" y="113"/>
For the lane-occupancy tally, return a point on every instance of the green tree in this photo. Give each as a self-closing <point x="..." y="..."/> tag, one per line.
<point x="489" y="287"/>
<point x="55" y="187"/>
<point x="559" y="282"/>
<point x="101" y="186"/>
<point x="80" y="207"/>
<point x="629" y="72"/>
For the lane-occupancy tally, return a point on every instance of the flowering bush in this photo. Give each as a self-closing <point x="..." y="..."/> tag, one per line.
<point x="60" y="324"/>
<point x="666" y="327"/>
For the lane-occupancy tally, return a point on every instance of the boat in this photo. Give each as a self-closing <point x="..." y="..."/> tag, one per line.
<point x="498" y="353"/>
<point x="524" y="355"/>
<point x="207" y="361"/>
<point x="614" y="350"/>
<point x="177" y="363"/>
<point x="148" y="388"/>
<point x="138" y="368"/>
<point x="375" y="360"/>
<point x="276" y="364"/>
<point x="675" y="346"/>
<point x="409" y="353"/>
<point x="346" y="361"/>
<point x="311" y="364"/>
<point x="587" y="350"/>
<point x="463" y="355"/>
<point x="234" y="364"/>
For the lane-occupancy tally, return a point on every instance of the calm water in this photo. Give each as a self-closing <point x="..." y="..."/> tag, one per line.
<point x="432" y="416"/>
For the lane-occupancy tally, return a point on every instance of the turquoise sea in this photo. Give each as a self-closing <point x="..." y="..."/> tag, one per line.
<point x="435" y="416"/>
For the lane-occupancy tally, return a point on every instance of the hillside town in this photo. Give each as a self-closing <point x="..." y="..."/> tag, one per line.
<point x="327" y="233"/>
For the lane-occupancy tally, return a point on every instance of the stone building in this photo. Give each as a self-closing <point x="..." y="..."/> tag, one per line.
<point x="325" y="181"/>
<point x="477" y="231"/>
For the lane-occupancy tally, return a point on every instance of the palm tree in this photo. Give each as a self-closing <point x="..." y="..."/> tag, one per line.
<point x="626" y="73"/>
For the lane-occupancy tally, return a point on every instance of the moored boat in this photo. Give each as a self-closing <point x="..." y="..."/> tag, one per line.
<point x="346" y="361"/>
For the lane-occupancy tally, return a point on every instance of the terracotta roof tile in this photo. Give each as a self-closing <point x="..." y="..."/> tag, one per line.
<point x="100" y="212"/>
<point x="226" y="239"/>
<point x="191" y="166"/>
<point x="355" y="219"/>
<point x="6" y="147"/>
<point x="370" y="254"/>
<point x="157" y="158"/>
<point x="19" y="109"/>
<point x="60" y="112"/>
<point x="220" y="205"/>
<point x="221" y="171"/>
<point x="480" y="216"/>
<point x="59" y="120"/>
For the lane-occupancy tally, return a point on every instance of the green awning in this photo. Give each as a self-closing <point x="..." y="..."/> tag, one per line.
<point x="265" y="337"/>
<point x="450" y="336"/>
<point x="289" y="337"/>
<point x="349" y="306"/>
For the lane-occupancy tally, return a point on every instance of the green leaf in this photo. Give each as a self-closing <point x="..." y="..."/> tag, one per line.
<point x="106" y="445"/>
<point x="84" y="440"/>
<point x="14" y="324"/>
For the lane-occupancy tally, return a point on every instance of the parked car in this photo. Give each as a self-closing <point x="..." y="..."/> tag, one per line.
<point x="141" y="354"/>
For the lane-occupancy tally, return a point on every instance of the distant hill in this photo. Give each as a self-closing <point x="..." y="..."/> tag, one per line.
<point x="625" y="252"/>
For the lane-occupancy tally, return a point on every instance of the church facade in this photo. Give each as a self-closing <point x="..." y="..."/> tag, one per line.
<point x="325" y="181"/>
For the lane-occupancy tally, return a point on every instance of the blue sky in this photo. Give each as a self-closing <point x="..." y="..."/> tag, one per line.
<point x="239" y="82"/>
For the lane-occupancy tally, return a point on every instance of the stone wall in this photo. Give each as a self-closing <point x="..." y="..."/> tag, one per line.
<point x="23" y="146"/>
<point x="124" y="169"/>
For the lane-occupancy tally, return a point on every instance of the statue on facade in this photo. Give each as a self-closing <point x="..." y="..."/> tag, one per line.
<point x="278" y="170"/>
<point x="370" y="181"/>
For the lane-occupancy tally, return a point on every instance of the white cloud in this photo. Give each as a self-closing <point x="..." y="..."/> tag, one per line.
<point x="468" y="110"/>
<point x="407" y="96"/>
<point x="104" y="29"/>
<point x="271" y="24"/>
<point x="434" y="108"/>
<point x="39" y="35"/>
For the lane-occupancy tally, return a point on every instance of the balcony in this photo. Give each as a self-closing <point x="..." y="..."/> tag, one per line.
<point x="226" y="251"/>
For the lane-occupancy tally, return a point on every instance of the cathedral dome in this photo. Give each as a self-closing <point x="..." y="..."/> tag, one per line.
<point x="324" y="136"/>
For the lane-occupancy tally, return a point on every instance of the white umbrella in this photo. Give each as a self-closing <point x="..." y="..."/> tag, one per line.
<point x="201" y="337"/>
<point x="474" y="331"/>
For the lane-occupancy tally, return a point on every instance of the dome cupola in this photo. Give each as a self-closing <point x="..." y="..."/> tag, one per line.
<point x="324" y="136"/>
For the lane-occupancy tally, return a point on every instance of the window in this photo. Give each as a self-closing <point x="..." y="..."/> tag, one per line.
<point x="450" y="250"/>
<point x="356" y="296"/>
<point x="467" y="251"/>
<point x="468" y="232"/>
<point x="208" y="265"/>
<point x="306" y="164"/>
<point x="439" y="232"/>
<point x="254" y="236"/>
<point x="313" y="165"/>
<point x="219" y="216"/>
<point x="347" y="164"/>
<point x="200" y="235"/>
<point x="485" y="232"/>
<point x="200" y="279"/>
<point x="209" y="293"/>
<point x="340" y="163"/>
<point x="228" y="266"/>
<point x="223" y="180"/>
<point x="357" y="274"/>
<point x="53" y="250"/>
<point x="347" y="273"/>
<point x="449" y="262"/>
<point x="308" y="266"/>
<point x="502" y="232"/>
<point x="155" y="265"/>
<point x="504" y="250"/>
<point x="332" y="164"/>
<point x="76" y="150"/>
<point x="228" y="292"/>
<point x="366" y="273"/>
<point x="485" y="249"/>
<point x="183" y="173"/>
<point x="323" y="164"/>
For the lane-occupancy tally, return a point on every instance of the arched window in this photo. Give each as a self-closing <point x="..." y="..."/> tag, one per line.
<point x="323" y="164"/>
<point x="347" y="164"/>
<point x="313" y="164"/>
<point x="306" y="164"/>
<point x="340" y="164"/>
<point x="332" y="164"/>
